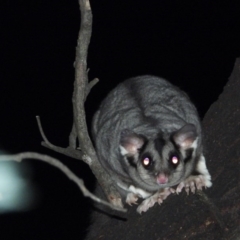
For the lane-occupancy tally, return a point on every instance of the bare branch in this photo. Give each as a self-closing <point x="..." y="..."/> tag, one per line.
<point x="91" y="85"/>
<point x="65" y="151"/>
<point x="41" y="130"/>
<point x="110" y="190"/>
<point x="56" y="163"/>
<point x="82" y="87"/>
<point x="81" y="77"/>
<point x="69" y="151"/>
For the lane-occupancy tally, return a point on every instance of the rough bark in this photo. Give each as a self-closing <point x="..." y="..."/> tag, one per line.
<point x="211" y="214"/>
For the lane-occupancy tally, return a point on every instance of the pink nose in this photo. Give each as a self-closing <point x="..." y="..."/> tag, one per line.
<point x="162" y="178"/>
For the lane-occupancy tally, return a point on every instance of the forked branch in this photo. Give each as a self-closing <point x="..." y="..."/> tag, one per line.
<point x="85" y="151"/>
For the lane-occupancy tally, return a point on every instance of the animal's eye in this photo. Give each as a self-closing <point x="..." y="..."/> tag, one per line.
<point x="174" y="160"/>
<point x="146" y="161"/>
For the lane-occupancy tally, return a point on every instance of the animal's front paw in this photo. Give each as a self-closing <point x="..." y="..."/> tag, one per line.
<point x="194" y="182"/>
<point x="146" y="204"/>
<point x="162" y="195"/>
<point x="132" y="198"/>
<point x="157" y="197"/>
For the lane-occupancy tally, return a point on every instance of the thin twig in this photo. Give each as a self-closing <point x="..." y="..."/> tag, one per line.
<point x="69" y="151"/>
<point x="56" y="163"/>
<point x="41" y="130"/>
<point x="90" y="86"/>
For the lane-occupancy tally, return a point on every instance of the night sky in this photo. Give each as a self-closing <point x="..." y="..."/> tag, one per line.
<point x="191" y="43"/>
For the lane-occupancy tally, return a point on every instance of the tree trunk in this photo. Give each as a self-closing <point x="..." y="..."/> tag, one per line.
<point x="211" y="214"/>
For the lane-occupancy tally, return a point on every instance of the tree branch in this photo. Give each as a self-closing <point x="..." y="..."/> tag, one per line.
<point x="56" y="163"/>
<point x="81" y="90"/>
<point x="82" y="87"/>
<point x="69" y="151"/>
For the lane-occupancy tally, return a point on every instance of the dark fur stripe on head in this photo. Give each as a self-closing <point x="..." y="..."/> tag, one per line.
<point x="131" y="162"/>
<point x="159" y="144"/>
<point x="189" y="153"/>
<point x="142" y="149"/>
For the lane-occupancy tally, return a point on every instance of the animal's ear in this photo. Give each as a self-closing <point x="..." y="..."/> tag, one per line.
<point x="185" y="136"/>
<point x="130" y="142"/>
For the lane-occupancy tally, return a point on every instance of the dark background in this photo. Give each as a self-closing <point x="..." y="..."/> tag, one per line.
<point x="191" y="43"/>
